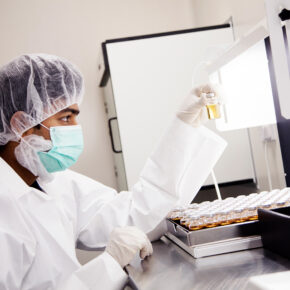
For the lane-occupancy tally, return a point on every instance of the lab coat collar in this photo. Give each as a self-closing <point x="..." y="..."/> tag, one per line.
<point x="9" y="178"/>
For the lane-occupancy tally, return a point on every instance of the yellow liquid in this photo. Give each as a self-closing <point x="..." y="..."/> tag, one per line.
<point x="240" y="220"/>
<point x="253" y="218"/>
<point x="195" y="228"/>
<point x="224" y="223"/>
<point x="211" y="225"/>
<point x="213" y="111"/>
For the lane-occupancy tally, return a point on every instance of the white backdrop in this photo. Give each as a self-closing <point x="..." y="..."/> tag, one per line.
<point x="150" y="79"/>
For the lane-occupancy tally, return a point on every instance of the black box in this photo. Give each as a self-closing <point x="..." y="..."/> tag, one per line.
<point x="275" y="230"/>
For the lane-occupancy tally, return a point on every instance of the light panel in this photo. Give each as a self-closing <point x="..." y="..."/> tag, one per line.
<point x="246" y="82"/>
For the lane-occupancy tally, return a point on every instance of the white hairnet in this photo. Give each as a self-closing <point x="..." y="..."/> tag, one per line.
<point x="38" y="86"/>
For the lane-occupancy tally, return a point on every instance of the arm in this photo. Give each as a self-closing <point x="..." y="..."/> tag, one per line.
<point x="172" y="175"/>
<point x="103" y="272"/>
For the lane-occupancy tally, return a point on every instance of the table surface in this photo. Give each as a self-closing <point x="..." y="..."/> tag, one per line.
<point x="170" y="268"/>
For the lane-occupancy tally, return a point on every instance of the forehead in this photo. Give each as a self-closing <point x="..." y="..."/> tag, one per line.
<point x="73" y="108"/>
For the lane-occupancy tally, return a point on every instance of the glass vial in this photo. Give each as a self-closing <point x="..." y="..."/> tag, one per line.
<point x="213" y="109"/>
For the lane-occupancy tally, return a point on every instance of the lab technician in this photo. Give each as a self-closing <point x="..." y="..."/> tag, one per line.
<point x="47" y="210"/>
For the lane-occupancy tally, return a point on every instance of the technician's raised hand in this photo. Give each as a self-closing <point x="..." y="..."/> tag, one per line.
<point x="194" y="111"/>
<point x="126" y="242"/>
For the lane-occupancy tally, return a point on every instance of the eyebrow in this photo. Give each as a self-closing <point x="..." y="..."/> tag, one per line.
<point x="73" y="111"/>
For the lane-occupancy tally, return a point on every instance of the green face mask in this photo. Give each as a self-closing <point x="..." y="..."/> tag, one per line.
<point x="67" y="146"/>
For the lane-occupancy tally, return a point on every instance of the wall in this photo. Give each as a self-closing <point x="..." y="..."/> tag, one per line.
<point x="245" y="13"/>
<point x="74" y="29"/>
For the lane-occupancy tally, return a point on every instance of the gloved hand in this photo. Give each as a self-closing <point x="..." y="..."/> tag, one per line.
<point x="125" y="242"/>
<point x="194" y="112"/>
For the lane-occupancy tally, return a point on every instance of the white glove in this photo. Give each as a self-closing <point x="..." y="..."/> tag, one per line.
<point x="125" y="242"/>
<point x="194" y="112"/>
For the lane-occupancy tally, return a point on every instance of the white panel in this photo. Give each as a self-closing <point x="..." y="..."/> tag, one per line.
<point x="150" y="79"/>
<point x="247" y="84"/>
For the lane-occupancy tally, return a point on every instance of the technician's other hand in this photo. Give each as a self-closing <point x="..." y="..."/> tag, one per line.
<point x="194" y="111"/>
<point x="125" y="242"/>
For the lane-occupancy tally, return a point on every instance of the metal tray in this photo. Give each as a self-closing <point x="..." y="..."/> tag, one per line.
<point x="209" y="235"/>
<point x="217" y="240"/>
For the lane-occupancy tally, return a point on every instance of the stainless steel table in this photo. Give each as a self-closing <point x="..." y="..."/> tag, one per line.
<point x="172" y="268"/>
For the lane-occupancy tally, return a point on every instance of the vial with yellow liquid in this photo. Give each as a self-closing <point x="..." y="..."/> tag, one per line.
<point x="213" y="108"/>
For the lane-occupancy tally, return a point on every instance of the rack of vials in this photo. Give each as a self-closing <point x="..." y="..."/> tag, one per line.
<point x="222" y="226"/>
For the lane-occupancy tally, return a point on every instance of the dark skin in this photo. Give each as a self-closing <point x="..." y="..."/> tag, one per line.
<point x="66" y="117"/>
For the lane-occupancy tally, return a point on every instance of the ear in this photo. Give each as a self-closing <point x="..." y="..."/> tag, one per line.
<point x="28" y="132"/>
<point x="17" y="121"/>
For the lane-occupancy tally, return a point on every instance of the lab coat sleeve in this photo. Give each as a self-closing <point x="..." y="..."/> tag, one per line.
<point x="17" y="245"/>
<point x="103" y="272"/>
<point x="17" y="256"/>
<point x="172" y="176"/>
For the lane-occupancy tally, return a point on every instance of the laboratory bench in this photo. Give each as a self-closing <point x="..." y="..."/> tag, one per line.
<point x="171" y="268"/>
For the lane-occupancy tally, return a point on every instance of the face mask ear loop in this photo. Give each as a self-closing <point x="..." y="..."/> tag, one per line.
<point x="44" y="126"/>
<point x="23" y="140"/>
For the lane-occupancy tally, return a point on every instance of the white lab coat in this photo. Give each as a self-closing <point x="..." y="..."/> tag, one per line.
<point x="39" y="232"/>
